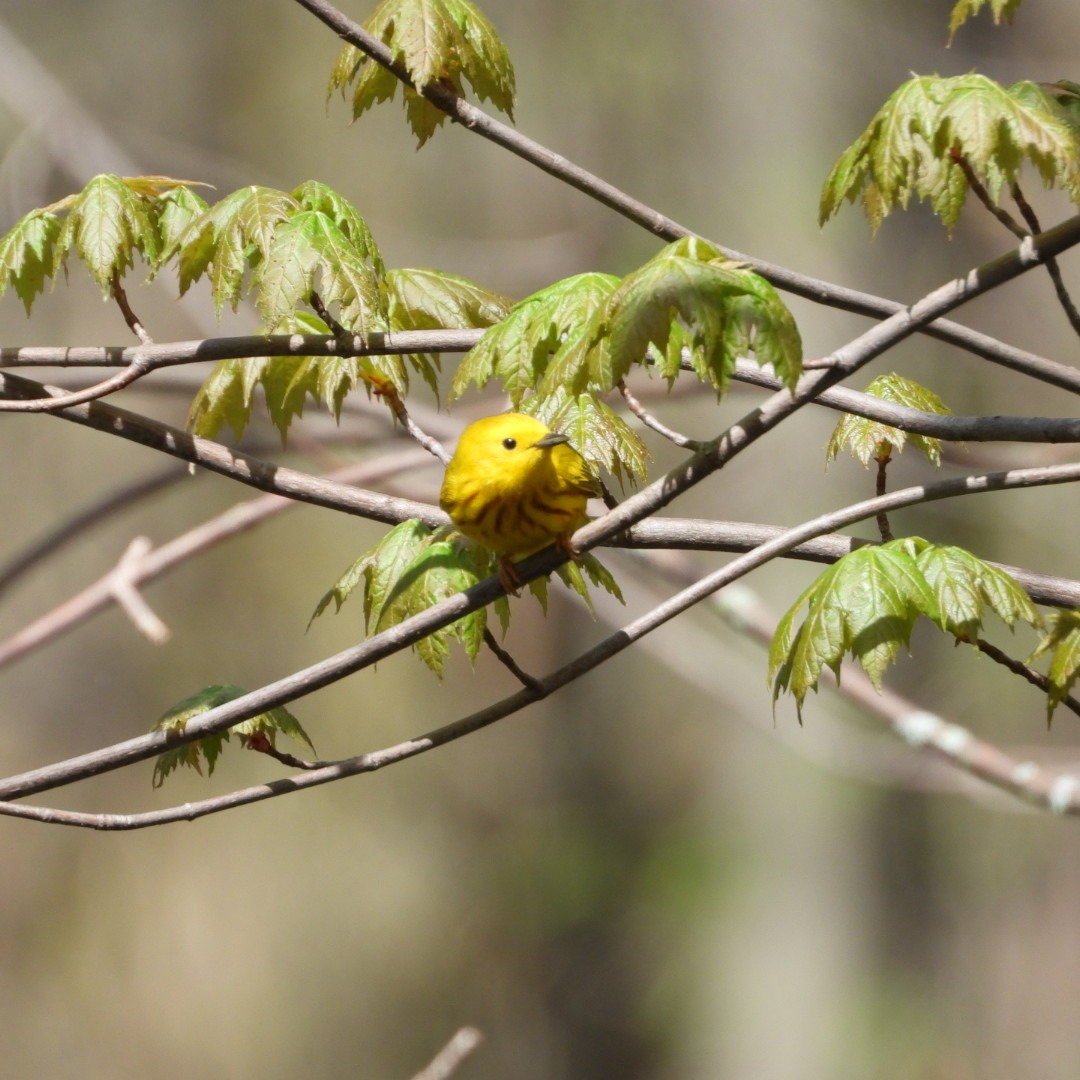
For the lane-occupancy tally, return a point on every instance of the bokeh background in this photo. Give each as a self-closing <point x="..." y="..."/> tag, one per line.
<point x="648" y="876"/>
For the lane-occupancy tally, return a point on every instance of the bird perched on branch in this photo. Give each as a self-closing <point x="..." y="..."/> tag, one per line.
<point x="514" y="486"/>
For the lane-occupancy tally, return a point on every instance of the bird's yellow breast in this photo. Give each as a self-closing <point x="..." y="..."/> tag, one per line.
<point x="510" y="495"/>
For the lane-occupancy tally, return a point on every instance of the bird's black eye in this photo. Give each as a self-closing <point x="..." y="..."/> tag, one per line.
<point x="510" y="443"/>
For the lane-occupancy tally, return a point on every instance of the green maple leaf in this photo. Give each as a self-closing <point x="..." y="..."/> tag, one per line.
<point x="909" y="146"/>
<point x="542" y="329"/>
<point x="411" y="568"/>
<point x="291" y="245"/>
<point x="230" y="238"/>
<point x="26" y="255"/>
<point x="586" y="568"/>
<point x="965" y="9"/>
<point x="964" y="586"/>
<point x="176" y="209"/>
<point x="423" y="299"/>
<point x="448" y="42"/>
<point x="690" y="296"/>
<point x="871" y="440"/>
<point x="227" y="397"/>
<point x="1063" y="641"/>
<point x="108" y="223"/>
<point x="266" y="725"/>
<point x="310" y="251"/>
<point x="314" y="195"/>
<point x="865" y="603"/>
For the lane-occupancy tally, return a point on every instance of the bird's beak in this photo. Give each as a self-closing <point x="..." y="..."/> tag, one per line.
<point x="551" y="439"/>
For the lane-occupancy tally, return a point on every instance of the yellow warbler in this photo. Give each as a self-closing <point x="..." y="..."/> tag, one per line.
<point x="515" y="486"/>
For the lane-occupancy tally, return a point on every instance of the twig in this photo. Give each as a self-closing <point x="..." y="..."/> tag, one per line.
<point x="880" y="487"/>
<point x="651" y="421"/>
<point x="226" y="461"/>
<point x="262" y="745"/>
<point x="401" y="413"/>
<point x="1034" y="677"/>
<point x="450" y="1058"/>
<point x="56" y="400"/>
<point x="980" y="192"/>
<point x="56" y="538"/>
<point x="236" y="519"/>
<point x="134" y="325"/>
<point x="443" y="613"/>
<point x="244" y="346"/>
<point x="1052" y="266"/>
<point x="339" y="331"/>
<point x="509" y="662"/>
<point x="121" y="583"/>
<point x="1037" y="429"/>
<point x="1010" y="223"/>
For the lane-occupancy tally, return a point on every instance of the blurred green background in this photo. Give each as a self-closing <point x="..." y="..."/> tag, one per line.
<point x="647" y="876"/>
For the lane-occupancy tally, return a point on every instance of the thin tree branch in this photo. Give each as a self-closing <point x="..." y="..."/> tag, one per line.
<point x="401" y="413"/>
<point x="880" y="487"/>
<point x="1033" y="429"/>
<point x="1017" y="667"/>
<point x="649" y="420"/>
<point x="1052" y="266"/>
<point x="132" y="320"/>
<point x="105" y="508"/>
<point x="121" y="584"/>
<point x="980" y="192"/>
<point x="556" y="165"/>
<point x="504" y="658"/>
<point x="226" y="461"/>
<point x="1010" y="223"/>
<point x="242" y="347"/>
<point x="177" y="353"/>
<point x="56" y="400"/>
<point x="450" y="1058"/>
<point x="237" y="519"/>
<point x="443" y="613"/>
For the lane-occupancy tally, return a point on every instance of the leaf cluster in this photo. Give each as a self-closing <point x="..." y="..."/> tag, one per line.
<point x="912" y="146"/>
<point x="262" y="728"/>
<point x="867" y="603"/>
<point x="417" y="299"/>
<point x="560" y="350"/>
<point x="414" y="566"/>
<point x="871" y="440"/>
<point x="444" y="42"/>
<point x="108" y="223"/>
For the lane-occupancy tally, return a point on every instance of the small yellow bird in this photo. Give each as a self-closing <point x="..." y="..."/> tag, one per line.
<point x="514" y="486"/>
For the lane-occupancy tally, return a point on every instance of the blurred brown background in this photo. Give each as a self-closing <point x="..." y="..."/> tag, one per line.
<point x="646" y="877"/>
